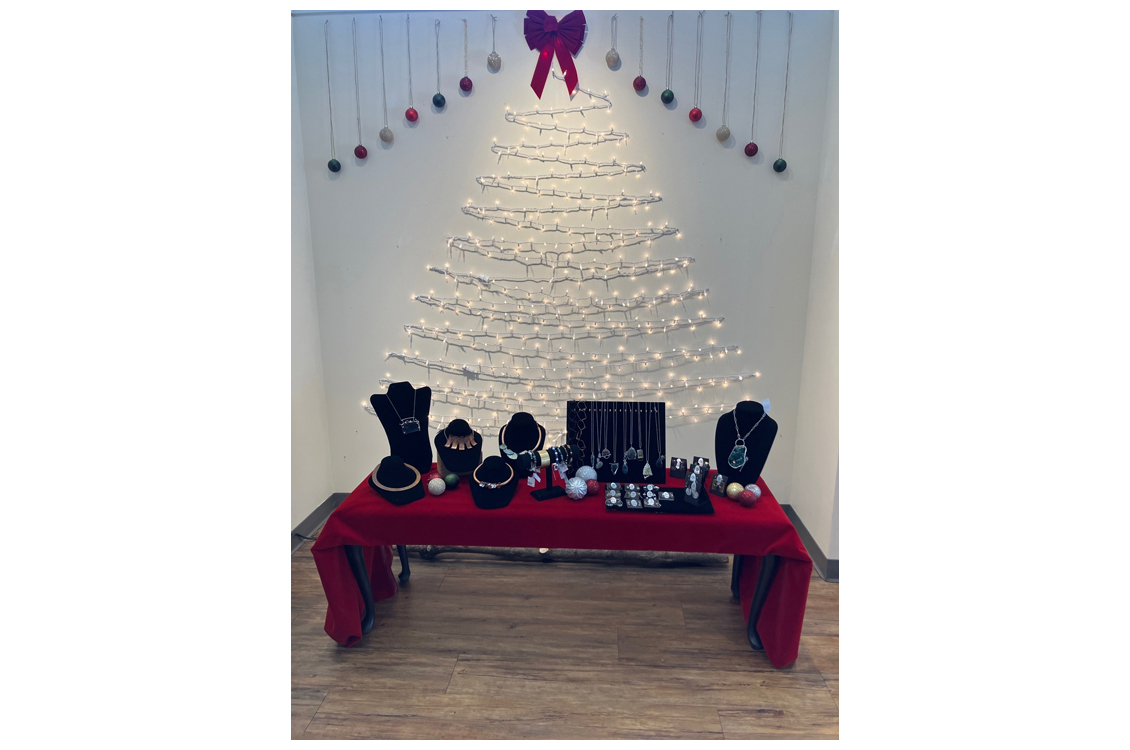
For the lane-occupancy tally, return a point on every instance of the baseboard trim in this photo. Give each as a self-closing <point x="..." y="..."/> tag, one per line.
<point x="310" y="524"/>
<point x="827" y="569"/>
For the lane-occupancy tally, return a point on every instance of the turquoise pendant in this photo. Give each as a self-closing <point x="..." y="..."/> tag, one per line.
<point x="630" y="455"/>
<point x="615" y="468"/>
<point x="737" y="456"/>
<point x="624" y="468"/>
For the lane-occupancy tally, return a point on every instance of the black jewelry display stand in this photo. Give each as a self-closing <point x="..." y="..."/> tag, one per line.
<point x="624" y="418"/>
<point x="758" y="444"/>
<point x="551" y="490"/>
<point x="414" y="448"/>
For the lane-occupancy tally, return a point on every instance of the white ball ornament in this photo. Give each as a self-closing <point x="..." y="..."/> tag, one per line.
<point x="494" y="62"/>
<point x="586" y="473"/>
<point x="436" y="486"/>
<point x="755" y="490"/>
<point x="386" y="135"/>
<point x="612" y="58"/>
<point x="723" y="133"/>
<point x="576" y="488"/>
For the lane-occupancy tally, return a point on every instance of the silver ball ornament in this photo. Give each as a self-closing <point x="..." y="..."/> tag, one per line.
<point x="612" y="58"/>
<point x="755" y="490"/>
<point x="436" y="486"/>
<point x="586" y="473"/>
<point x="723" y="133"/>
<point x="494" y="62"/>
<point x="386" y="135"/>
<point x="576" y="488"/>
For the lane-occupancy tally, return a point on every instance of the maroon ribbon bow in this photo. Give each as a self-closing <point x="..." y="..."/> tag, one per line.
<point x="547" y="34"/>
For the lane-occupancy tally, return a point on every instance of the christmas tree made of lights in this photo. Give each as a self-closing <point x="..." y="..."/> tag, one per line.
<point x="563" y="324"/>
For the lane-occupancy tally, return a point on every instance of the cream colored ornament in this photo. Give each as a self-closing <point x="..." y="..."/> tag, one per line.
<point x="723" y="133"/>
<point x="436" y="486"/>
<point x="386" y="135"/>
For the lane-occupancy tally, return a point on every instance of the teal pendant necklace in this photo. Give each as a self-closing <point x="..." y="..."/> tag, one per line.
<point x="738" y="455"/>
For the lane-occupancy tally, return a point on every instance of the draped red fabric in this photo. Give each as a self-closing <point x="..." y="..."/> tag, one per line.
<point x="546" y="34"/>
<point x="368" y="520"/>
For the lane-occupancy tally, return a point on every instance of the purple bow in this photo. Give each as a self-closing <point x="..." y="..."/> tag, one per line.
<point x="548" y="35"/>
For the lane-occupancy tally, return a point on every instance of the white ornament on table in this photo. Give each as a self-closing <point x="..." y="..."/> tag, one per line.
<point x="576" y="488"/>
<point x="586" y="472"/>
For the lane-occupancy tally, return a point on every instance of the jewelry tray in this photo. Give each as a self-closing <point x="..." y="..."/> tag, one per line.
<point x="678" y="506"/>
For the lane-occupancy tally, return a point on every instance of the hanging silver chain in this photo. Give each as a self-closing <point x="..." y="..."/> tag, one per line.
<point x="756" y="63"/>
<point x="614" y="30"/>
<point x="408" y="32"/>
<point x="329" y="91"/>
<point x="384" y="95"/>
<point x="437" y="55"/>
<point x="670" y="41"/>
<point x="698" y="58"/>
<point x="464" y="47"/>
<point x="356" y="81"/>
<point x="726" y="90"/>
<point x="493" y="21"/>
<point x="785" y="96"/>
<point x="641" y="45"/>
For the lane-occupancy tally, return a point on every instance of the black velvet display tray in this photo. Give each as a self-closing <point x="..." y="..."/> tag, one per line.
<point x="678" y="506"/>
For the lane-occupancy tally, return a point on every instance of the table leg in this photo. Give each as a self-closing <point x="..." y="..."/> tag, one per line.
<point x="356" y="556"/>
<point x="735" y="577"/>
<point x="405" y="571"/>
<point x="761" y="590"/>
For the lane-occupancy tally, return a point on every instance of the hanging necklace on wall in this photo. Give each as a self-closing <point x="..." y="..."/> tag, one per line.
<point x="780" y="165"/>
<point x="668" y="95"/>
<point x="494" y="62"/>
<point x="647" y="472"/>
<point x="438" y="100"/>
<point x="627" y="435"/>
<point x="659" y="436"/>
<point x="630" y="454"/>
<point x="360" y="152"/>
<point x="723" y="133"/>
<point x="613" y="57"/>
<point x="640" y="83"/>
<point x="386" y="134"/>
<point x="410" y="114"/>
<point x="615" y="443"/>
<point x="751" y="147"/>
<point x="592" y="435"/>
<point x="738" y="455"/>
<point x="603" y="435"/>
<point x="606" y="453"/>
<point x="333" y="164"/>
<point x="465" y="82"/>
<point x="696" y="113"/>
<point x="408" y="425"/>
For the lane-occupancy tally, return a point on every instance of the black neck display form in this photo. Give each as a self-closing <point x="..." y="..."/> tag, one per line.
<point x="521" y="433"/>
<point x="758" y="444"/>
<point x="414" y="448"/>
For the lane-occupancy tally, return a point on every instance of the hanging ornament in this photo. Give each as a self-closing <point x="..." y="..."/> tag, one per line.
<point x="465" y="82"/>
<point x="751" y="147"/>
<point x="613" y="57"/>
<point x="546" y="34"/>
<point x="438" y="100"/>
<point x="360" y="152"/>
<point x="780" y="165"/>
<point x="386" y="133"/>
<point x="333" y="164"/>
<point x="696" y="113"/>
<point x="494" y="62"/>
<point x="668" y="95"/>
<point x="723" y="133"/>
<point x="410" y="114"/>
<point x="640" y="83"/>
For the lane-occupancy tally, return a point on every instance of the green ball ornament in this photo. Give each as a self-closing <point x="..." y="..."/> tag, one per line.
<point x="452" y="481"/>
<point x="667" y="96"/>
<point x="779" y="165"/>
<point x="334" y="165"/>
<point x="439" y="101"/>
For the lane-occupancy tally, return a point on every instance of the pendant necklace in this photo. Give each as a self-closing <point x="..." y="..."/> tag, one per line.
<point x="408" y="425"/>
<point x="647" y="472"/>
<point x="659" y="435"/>
<point x="592" y="435"/>
<point x="604" y="420"/>
<point x="615" y="434"/>
<point x="738" y="455"/>
<point x="631" y="453"/>
<point x="627" y="434"/>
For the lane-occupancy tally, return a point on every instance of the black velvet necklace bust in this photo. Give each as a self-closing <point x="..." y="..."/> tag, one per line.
<point x="397" y="404"/>
<point x="521" y="433"/>
<point x="757" y="444"/>
<point x="465" y="451"/>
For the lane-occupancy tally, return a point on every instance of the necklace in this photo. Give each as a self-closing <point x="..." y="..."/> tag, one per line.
<point x="659" y="434"/>
<point x="631" y="454"/>
<point x="738" y="455"/>
<point x="647" y="472"/>
<point x="615" y="442"/>
<point x="604" y="440"/>
<point x="408" y="425"/>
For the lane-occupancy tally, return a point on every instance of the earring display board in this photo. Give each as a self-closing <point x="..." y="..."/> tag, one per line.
<point x="625" y="441"/>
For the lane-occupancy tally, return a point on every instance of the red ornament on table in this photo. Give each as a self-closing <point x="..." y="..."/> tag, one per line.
<point x="751" y="149"/>
<point x="411" y="114"/>
<point x="639" y="84"/>
<point x="465" y="84"/>
<point x="747" y="498"/>
<point x="696" y="114"/>
<point x="593" y="487"/>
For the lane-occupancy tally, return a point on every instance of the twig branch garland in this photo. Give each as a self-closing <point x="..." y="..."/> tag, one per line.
<point x="465" y="82"/>
<point x="613" y="57"/>
<point x="723" y="133"/>
<point x="780" y="164"/>
<point x="360" y="152"/>
<point x="640" y="83"/>
<point x="333" y="164"/>
<point x="494" y="62"/>
<point x="386" y="133"/>
<point x="410" y="114"/>
<point x="751" y="147"/>
<point x="668" y="95"/>
<point x="696" y="113"/>
<point x="438" y="101"/>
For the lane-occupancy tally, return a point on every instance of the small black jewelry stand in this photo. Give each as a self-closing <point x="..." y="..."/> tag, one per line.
<point x="395" y="405"/>
<point x="551" y="490"/>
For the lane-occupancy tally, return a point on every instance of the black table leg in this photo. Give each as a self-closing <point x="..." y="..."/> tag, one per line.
<point x="356" y="556"/>
<point x="735" y="576"/>
<point x="764" y="581"/>
<point x="404" y="569"/>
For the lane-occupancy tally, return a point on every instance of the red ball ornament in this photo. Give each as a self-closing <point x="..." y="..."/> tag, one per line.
<point x="593" y="487"/>
<point x="360" y="152"/>
<point x="411" y="114"/>
<point x="747" y="498"/>
<point x="696" y="114"/>
<point x="465" y="83"/>
<point x="639" y="83"/>
<point x="751" y="149"/>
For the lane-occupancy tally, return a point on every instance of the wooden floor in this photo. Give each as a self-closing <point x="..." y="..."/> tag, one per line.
<point x="480" y="648"/>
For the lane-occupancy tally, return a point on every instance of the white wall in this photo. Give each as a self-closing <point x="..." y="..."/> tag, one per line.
<point x="815" y="486"/>
<point x="310" y="479"/>
<point x="375" y="224"/>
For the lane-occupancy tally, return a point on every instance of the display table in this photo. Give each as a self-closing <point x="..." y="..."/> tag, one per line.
<point x="767" y="548"/>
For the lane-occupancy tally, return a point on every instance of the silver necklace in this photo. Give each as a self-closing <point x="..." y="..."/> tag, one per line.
<point x="647" y="472"/>
<point x="738" y="455"/>
<point x="408" y="425"/>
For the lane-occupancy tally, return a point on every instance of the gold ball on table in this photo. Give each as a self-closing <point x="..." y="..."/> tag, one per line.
<point x="733" y="489"/>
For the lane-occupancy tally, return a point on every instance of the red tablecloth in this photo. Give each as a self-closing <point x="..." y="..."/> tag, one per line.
<point x="368" y="520"/>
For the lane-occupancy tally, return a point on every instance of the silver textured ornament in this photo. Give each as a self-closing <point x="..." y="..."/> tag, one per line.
<point x="723" y="133"/>
<point x="494" y="62"/>
<point x="386" y="135"/>
<point x="612" y="58"/>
